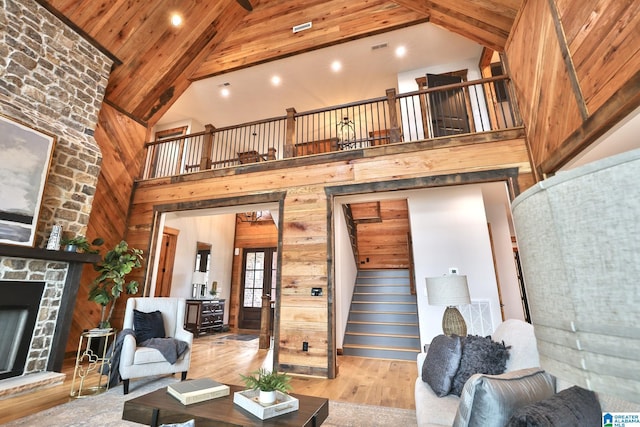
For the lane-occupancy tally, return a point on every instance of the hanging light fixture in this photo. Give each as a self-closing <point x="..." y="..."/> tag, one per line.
<point x="250" y="216"/>
<point x="346" y="131"/>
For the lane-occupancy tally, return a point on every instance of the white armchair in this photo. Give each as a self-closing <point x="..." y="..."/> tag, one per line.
<point x="136" y="362"/>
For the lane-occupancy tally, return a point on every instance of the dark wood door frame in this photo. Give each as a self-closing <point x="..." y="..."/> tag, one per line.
<point x="223" y="202"/>
<point x="509" y="176"/>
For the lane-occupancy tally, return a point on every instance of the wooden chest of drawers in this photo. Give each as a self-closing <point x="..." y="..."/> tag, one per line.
<point x="204" y="316"/>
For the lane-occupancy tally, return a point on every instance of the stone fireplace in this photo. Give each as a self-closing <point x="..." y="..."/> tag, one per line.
<point x="53" y="80"/>
<point x="19" y="306"/>
<point x="40" y="304"/>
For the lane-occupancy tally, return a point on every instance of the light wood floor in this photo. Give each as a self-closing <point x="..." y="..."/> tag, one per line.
<point x="360" y="380"/>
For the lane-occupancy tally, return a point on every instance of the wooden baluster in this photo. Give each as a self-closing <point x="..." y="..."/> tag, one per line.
<point x="393" y="115"/>
<point x="179" y="168"/>
<point x="289" y="143"/>
<point x="207" y="147"/>
<point x="265" y="322"/>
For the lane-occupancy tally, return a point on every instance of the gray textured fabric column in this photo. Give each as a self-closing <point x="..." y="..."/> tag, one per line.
<point x="578" y="234"/>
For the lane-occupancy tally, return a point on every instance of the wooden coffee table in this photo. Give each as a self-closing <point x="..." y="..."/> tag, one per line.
<point x="159" y="407"/>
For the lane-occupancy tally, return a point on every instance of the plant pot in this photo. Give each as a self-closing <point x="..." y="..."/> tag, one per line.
<point x="267" y="397"/>
<point x="71" y="248"/>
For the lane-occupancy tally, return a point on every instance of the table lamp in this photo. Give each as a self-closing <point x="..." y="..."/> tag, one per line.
<point x="450" y="290"/>
<point x="199" y="280"/>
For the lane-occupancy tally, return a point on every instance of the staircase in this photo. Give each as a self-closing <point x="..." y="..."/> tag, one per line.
<point x="383" y="319"/>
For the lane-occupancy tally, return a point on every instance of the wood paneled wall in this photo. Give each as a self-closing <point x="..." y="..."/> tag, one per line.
<point x="576" y="70"/>
<point x="121" y="140"/>
<point x="305" y="251"/>
<point x="383" y="244"/>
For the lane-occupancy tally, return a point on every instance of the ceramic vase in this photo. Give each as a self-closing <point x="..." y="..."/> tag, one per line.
<point x="267" y="397"/>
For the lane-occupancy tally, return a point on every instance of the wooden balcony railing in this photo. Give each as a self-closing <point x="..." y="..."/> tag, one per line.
<point x="456" y="109"/>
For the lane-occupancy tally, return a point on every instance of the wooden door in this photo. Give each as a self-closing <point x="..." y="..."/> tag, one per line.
<point x="448" y="109"/>
<point x="165" y="264"/>
<point x="258" y="279"/>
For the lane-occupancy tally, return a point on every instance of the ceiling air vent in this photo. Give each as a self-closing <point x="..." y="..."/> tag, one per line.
<point x="379" y="46"/>
<point x="302" y="27"/>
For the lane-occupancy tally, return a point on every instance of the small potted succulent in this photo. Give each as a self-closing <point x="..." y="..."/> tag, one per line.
<point x="267" y="382"/>
<point x="81" y="244"/>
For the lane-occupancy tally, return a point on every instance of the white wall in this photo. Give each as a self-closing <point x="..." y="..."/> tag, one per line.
<point x="449" y="229"/>
<point x="346" y="272"/>
<point x="407" y="79"/>
<point x="499" y="218"/>
<point x="192" y="125"/>
<point x="217" y="230"/>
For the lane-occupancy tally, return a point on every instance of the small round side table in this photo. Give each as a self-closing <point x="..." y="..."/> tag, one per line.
<point x="92" y="358"/>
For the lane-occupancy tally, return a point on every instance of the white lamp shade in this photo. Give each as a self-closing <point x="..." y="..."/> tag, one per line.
<point x="450" y="289"/>
<point x="200" y="277"/>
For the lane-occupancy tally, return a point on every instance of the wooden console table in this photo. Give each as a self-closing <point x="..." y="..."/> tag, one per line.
<point x="204" y="315"/>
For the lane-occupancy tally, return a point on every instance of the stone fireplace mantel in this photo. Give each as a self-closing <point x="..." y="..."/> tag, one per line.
<point x="44" y="254"/>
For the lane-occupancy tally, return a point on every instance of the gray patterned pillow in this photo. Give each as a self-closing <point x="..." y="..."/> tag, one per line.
<point x="441" y="363"/>
<point x="480" y="355"/>
<point x="574" y="406"/>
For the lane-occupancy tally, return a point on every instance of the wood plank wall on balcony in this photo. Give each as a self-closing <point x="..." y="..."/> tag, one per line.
<point x="305" y="235"/>
<point x="576" y="70"/>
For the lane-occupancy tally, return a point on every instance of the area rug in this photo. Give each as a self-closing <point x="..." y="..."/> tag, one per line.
<point x="239" y="337"/>
<point x="105" y="410"/>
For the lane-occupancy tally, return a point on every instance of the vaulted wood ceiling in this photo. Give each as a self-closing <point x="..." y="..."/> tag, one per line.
<point x="155" y="62"/>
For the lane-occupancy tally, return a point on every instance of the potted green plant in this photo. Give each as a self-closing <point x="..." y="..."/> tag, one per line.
<point x="81" y="244"/>
<point x="267" y="382"/>
<point x="110" y="283"/>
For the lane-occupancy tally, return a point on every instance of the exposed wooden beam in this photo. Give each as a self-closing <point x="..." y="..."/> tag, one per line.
<point x="80" y="31"/>
<point x="415" y="5"/>
<point x="620" y="105"/>
<point x="485" y="33"/>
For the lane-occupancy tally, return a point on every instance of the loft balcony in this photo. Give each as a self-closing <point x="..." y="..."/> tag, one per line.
<point x="448" y="112"/>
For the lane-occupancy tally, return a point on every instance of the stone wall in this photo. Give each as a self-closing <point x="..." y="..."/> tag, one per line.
<point x="53" y="80"/>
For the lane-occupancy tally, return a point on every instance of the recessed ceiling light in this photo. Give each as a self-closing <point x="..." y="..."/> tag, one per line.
<point x="401" y="51"/>
<point x="336" y="66"/>
<point x="225" y="92"/>
<point x="176" y="20"/>
<point x="275" y="80"/>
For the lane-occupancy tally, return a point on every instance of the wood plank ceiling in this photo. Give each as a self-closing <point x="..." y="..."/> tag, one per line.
<point x="155" y="62"/>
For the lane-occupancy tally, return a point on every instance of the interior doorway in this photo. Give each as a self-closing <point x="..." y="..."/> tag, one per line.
<point x="259" y="270"/>
<point x="448" y="108"/>
<point x="166" y="261"/>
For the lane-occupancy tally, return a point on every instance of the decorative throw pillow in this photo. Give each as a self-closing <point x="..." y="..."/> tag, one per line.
<point x="574" y="406"/>
<point x="490" y="400"/>
<point x="480" y="355"/>
<point x="148" y="325"/>
<point x="441" y="363"/>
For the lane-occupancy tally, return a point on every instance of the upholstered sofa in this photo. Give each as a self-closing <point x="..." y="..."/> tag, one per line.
<point x="432" y="410"/>
<point x="523" y="363"/>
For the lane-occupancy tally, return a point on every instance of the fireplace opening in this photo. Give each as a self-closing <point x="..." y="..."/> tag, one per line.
<point x="19" y="305"/>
